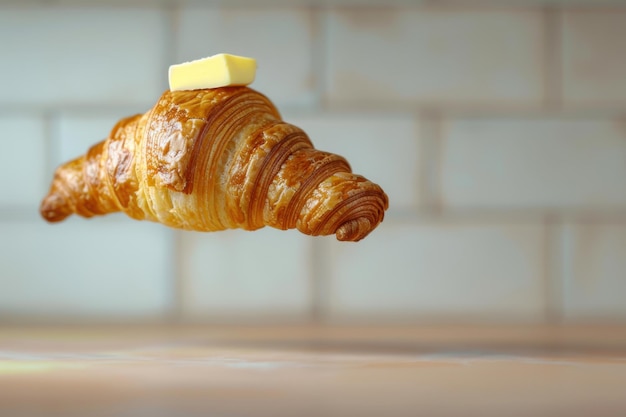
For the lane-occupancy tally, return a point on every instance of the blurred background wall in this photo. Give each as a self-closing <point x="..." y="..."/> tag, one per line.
<point x="498" y="129"/>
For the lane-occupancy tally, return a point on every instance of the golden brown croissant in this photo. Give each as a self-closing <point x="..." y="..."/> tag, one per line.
<point x="216" y="159"/>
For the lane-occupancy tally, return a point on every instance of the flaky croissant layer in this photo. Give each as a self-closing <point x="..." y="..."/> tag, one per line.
<point x="217" y="159"/>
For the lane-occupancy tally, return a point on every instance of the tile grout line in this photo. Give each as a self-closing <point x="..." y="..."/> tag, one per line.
<point x="552" y="56"/>
<point x="319" y="53"/>
<point x="443" y="111"/>
<point x="178" y="281"/>
<point x="493" y="216"/>
<point x="319" y="284"/>
<point x="49" y="121"/>
<point x="52" y="144"/>
<point x="553" y="270"/>
<point x="430" y="147"/>
<point x="171" y="14"/>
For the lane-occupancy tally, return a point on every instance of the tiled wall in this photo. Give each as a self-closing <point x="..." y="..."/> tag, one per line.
<point x="498" y="131"/>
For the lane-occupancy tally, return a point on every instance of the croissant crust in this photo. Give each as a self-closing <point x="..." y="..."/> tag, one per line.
<point x="216" y="159"/>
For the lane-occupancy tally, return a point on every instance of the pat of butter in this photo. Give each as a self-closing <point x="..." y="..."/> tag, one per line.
<point x="219" y="70"/>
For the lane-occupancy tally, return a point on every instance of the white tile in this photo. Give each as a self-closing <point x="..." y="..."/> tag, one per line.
<point x="22" y="161"/>
<point x="237" y="273"/>
<point x="280" y="39"/>
<point x="594" y="58"/>
<point x="594" y="271"/>
<point x="82" y="55"/>
<point x="83" y="269"/>
<point x="78" y="132"/>
<point x="456" y="271"/>
<point x="534" y="163"/>
<point x="432" y="55"/>
<point x="382" y="148"/>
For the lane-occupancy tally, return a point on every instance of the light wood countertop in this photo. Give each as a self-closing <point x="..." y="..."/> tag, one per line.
<point x="313" y="371"/>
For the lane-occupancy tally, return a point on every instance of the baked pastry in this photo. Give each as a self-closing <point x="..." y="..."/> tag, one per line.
<point x="215" y="159"/>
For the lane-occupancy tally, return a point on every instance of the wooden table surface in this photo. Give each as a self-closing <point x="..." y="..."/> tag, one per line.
<point x="313" y="371"/>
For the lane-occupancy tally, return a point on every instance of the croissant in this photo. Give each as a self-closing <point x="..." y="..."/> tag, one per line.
<point x="216" y="159"/>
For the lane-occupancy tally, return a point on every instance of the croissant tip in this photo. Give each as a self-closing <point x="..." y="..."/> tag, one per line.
<point x="54" y="208"/>
<point x="354" y="230"/>
<point x="364" y="219"/>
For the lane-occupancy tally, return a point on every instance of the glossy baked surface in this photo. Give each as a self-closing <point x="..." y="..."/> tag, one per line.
<point x="216" y="159"/>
